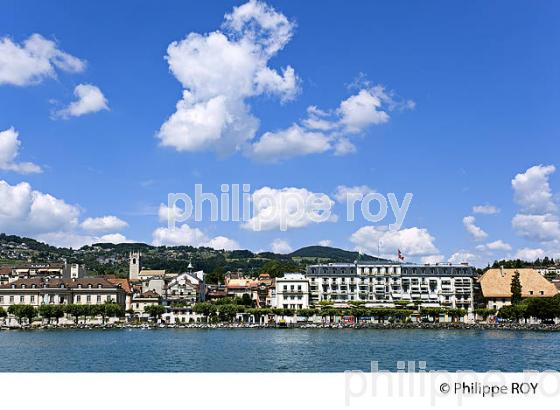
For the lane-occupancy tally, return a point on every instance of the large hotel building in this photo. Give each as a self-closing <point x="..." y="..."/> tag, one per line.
<point x="382" y="283"/>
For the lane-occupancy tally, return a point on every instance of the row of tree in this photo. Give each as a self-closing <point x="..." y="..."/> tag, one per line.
<point x="544" y="309"/>
<point x="49" y="312"/>
<point x="228" y="312"/>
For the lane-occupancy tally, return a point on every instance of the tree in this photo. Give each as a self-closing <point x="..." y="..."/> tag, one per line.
<point x="23" y="312"/>
<point x="513" y="312"/>
<point x="46" y="312"/>
<point x="433" y="312"/>
<point x="206" y="309"/>
<point x="544" y="309"/>
<point x="3" y="313"/>
<point x="74" y="310"/>
<point x="484" y="312"/>
<point x="112" y="310"/>
<point x="154" y="311"/>
<point x="227" y="312"/>
<point x="456" y="314"/>
<point x="515" y="289"/>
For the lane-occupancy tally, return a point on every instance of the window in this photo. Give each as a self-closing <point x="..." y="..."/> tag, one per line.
<point x="98" y="298"/>
<point x="32" y="299"/>
<point x="78" y="299"/>
<point x="1" y="299"/>
<point x="21" y="299"/>
<point x="11" y="299"/>
<point x="530" y="292"/>
<point x="542" y="292"/>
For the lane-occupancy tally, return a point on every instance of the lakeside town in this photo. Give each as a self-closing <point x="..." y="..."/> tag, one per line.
<point x="373" y="292"/>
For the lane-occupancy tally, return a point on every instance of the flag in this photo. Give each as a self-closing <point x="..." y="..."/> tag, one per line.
<point x="400" y="255"/>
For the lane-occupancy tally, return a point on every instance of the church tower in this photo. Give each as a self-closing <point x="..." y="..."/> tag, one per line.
<point x="134" y="265"/>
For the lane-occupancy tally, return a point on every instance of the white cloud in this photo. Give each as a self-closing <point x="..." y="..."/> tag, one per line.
<point x="222" y="242"/>
<point x="34" y="60"/>
<point x="165" y="213"/>
<point x="325" y="242"/>
<point x="184" y="235"/>
<point x="498" y="245"/>
<point x="432" y="259"/>
<point x="476" y="232"/>
<point x="76" y="240"/>
<point x="103" y="224"/>
<point x="343" y="192"/>
<point x="288" y="143"/>
<point x="9" y="150"/>
<point x="219" y="71"/>
<point x="288" y="208"/>
<point x="462" y="257"/>
<point x="323" y="131"/>
<point x="537" y="228"/>
<point x="485" y="209"/>
<point x="529" y="254"/>
<point x="532" y="190"/>
<point x="411" y="241"/>
<point x="25" y="211"/>
<point x="362" y="110"/>
<point x="89" y="99"/>
<point x="280" y="246"/>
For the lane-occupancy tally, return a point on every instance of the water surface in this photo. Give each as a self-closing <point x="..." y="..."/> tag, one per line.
<point x="274" y="350"/>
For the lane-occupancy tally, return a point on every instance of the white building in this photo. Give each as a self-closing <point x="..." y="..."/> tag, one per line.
<point x="292" y="291"/>
<point x="384" y="283"/>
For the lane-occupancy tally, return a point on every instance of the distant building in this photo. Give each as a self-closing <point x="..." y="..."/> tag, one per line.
<point x="39" y="291"/>
<point x="139" y="302"/>
<point x="73" y="271"/>
<point x="496" y="286"/>
<point x="292" y="291"/>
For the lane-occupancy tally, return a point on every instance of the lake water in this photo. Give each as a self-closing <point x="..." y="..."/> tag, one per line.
<point x="274" y="350"/>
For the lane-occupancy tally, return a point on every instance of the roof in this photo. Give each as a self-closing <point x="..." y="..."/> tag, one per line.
<point x="148" y="295"/>
<point x="152" y="272"/>
<point x="239" y="283"/>
<point x="57" y="283"/>
<point x="124" y="283"/>
<point x="496" y="283"/>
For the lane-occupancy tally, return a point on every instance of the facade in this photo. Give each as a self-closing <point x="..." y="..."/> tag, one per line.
<point x="73" y="271"/>
<point x="496" y="286"/>
<point x="140" y="301"/>
<point x="384" y="283"/>
<point x="183" y="288"/>
<point x="39" y="291"/>
<point x="292" y="291"/>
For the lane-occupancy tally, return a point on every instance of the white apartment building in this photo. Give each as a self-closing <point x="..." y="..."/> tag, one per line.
<point x="292" y="291"/>
<point x="384" y="283"/>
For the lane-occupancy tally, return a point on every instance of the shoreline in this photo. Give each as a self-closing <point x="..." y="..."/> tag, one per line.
<point x="378" y="326"/>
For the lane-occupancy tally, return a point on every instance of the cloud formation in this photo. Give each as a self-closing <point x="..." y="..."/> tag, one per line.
<point x="108" y="223"/>
<point x="288" y="208"/>
<point x="476" y="232"/>
<point x="34" y="60"/>
<point x="9" y="151"/>
<point x="219" y="72"/>
<point x="184" y="235"/>
<point x="485" y="209"/>
<point x="89" y="99"/>
<point x="323" y="131"/>
<point x="280" y="246"/>
<point x="411" y="241"/>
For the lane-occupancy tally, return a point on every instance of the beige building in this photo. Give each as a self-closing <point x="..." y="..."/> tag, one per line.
<point x="495" y="285"/>
<point x="139" y="302"/>
<point x="39" y="291"/>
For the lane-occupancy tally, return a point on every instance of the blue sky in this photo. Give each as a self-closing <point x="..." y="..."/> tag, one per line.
<point x="483" y="78"/>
